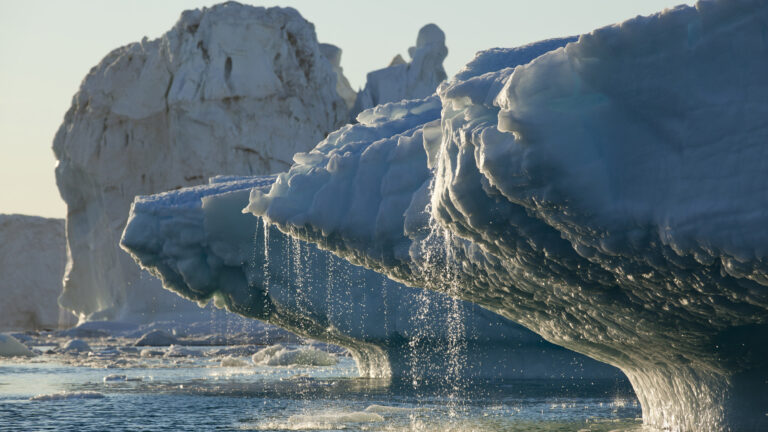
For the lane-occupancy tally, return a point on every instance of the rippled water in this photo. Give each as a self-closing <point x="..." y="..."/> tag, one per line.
<point x="129" y="391"/>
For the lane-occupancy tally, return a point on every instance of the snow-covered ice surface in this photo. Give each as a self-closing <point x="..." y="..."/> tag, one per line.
<point x="406" y="80"/>
<point x="32" y="257"/>
<point x="229" y="89"/>
<point x="609" y="196"/>
<point x="199" y="242"/>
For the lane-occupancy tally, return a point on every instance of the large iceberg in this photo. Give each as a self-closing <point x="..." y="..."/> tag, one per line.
<point x="32" y="257"/>
<point x="198" y="241"/>
<point x="406" y="80"/>
<point x="232" y="88"/>
<point x="607" y="195"/>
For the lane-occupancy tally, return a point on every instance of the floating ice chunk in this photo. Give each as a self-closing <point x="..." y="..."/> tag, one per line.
<point x="151" y="353"/>
<point x="386" y="409"/>
<point x="76" y="346"/>
<point x="177" y="351"/>
<point x="279" y="355"/>
<point x="115" y="378"/>
<point x="231" y="361"/>
<point x="331" y="420"/>
<point x="66" y="395"/>
<point x="156" y="338"/>
<point x="10" y="347"/>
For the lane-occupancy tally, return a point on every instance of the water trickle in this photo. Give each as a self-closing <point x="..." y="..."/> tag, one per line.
<point x="266" y="254"/>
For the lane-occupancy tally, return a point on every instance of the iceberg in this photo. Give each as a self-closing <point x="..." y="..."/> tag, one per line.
<point x="229" y="89"/>
<point x="200" y="244"/>
<point x="32" y="258"/>
<point x="607" y="195"/>
<point x="406" y="80"/>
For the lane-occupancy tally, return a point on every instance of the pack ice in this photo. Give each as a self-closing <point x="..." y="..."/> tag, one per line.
<point x="232" y="88"/>
<point x="200" y="244"/>
<point x="32" y="257"/>
<point x="609" y="195"/>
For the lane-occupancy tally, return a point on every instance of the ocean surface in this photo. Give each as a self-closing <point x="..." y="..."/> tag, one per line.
<point x="121" y="388"/>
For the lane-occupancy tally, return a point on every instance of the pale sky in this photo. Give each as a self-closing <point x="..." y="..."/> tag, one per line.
<point x="47" y="47"/>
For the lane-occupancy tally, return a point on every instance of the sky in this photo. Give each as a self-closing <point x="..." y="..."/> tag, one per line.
<point x="47" y="48"/>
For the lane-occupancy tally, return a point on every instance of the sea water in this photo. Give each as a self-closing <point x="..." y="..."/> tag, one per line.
<point x="114" y="387"/>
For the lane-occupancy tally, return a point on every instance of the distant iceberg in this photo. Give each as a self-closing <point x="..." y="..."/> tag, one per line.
<point x="415" y="79"/>
<point x="609" y="195"/>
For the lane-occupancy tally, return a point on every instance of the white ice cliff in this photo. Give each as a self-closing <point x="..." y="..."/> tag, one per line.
<point x="32" y="258"/>
<point x="198" y="241"/>
<point x="230" y="89"/>
<point x="610" y="196"/>
<point x="400" y="80"/>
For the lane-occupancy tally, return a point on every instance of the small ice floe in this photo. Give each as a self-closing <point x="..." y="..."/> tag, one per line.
<point x="385" y="409"/>
<point x="231" y="361"/>
<point x="278" y="355"/>
<point x="157" y="338"/>
<point x="10" y="347"/>
<point x="151" y="353"/>
<point x="115" y="378"/>
<point x="128" y="350"/>
<point x="241" y="351"/>
<point x="66" y="396"/>
<point x="332" y="420"/>
<point x="177" y="351"/>
<point x="76" y="346"/>
<point x="106" y="353"/>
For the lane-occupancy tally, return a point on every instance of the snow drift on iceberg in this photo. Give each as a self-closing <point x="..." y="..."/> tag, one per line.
<point x="608" y="195"/>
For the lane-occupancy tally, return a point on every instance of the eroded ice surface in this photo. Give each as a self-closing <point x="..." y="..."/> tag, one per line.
<point x="609" y="195"/>
<point x="199" y="242"/>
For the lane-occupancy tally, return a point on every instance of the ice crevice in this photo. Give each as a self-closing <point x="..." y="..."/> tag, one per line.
<point x="608" y="195"/>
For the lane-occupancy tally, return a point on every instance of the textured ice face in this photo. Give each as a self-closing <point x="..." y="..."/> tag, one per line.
<point x="230" y="89"/>
<point x="202" y="246"/>
<point x="608" y="195"/>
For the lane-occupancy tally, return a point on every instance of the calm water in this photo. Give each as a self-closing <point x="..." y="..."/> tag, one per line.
<point x="113" y="390"/>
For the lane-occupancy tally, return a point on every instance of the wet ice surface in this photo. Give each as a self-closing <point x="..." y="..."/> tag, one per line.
<point x="118" y="386"/>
